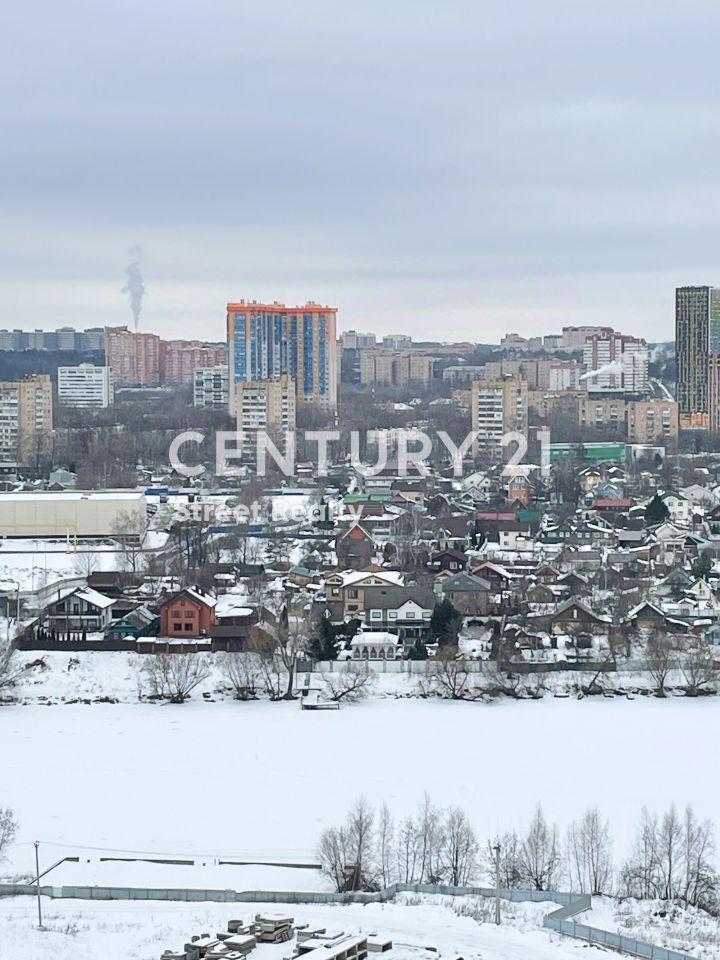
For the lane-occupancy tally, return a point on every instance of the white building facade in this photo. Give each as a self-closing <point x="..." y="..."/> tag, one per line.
<point x="85" y="386"/>
<point x="211" y="387"/>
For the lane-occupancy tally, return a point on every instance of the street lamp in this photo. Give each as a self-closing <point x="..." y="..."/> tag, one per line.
<point x="496" y="851"/>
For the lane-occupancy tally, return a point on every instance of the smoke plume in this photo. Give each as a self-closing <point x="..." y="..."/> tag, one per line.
<point x="607" y="369"/>
<point x="135" y="287"/>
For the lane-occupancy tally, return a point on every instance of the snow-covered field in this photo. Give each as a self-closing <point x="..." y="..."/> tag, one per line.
<point x="124" y="931"/>
<point x="263" y="779"/>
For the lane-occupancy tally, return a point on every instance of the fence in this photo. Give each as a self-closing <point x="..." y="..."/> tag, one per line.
<point x="559" y="920"/>
<point x="423" y="667"/>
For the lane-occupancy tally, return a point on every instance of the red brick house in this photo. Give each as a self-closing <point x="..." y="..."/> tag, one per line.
<point x="189" y="613"/>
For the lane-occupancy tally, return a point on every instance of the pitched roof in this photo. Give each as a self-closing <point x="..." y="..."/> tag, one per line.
<point x="465" y="583"/>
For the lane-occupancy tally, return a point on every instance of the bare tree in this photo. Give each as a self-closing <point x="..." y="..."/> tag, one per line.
<point x="698" y="886"/>
<point x="408" y="851"/>
<point x="128" y="528"/>
<point x="359" y="828"/>
<point x="450" y="678"/>
<point x="279" y="645"/>
<point x="85" y="563"/>
<point x="589" y="854"/>
<point x="640" y="873"/>
<point x="511" y="875"/>
<point x="385" y="847"/>
<point x="671" y="858"/>
<point x="430" y="834"/>
<point x="8" y="829"/>
<point x="10" y="669"/>
<point x="347" y="853"/>
<point x="333" y="855"/>
<point x="173" y="676"/>
<point x="659" y="658"/>
<point x="697" y="666"/>
<point x="244" y="672"/>
<point x="540" y="855"/>
<point x="460" y="848"/>
<point x="351" y="684"/>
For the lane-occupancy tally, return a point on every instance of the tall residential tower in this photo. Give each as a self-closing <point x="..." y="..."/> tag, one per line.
<point x="268" y="340"/>
<point x="697" y="338"/>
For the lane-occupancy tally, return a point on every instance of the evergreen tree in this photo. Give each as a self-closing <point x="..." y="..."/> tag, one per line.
<point x="656" y="511"/>
<point x="418" y="651"/>
<point x="701" y="567"/>
<point x="445" y="622"/>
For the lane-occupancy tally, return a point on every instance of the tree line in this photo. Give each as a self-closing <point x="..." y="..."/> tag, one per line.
<point x="671" y="856"/>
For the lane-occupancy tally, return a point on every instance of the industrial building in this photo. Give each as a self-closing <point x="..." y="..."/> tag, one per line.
<point x="77" y="513"/>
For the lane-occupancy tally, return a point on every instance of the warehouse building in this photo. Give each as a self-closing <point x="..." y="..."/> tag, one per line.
<point x="75" y="513"/>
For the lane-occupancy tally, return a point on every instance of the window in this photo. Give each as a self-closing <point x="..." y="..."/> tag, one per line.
<point x="177" y="627"/>
<point x="175" y="614"/>
<point x="352" y="593"/>
<point x="188" y="614"/>
<point x="188" y="627"/>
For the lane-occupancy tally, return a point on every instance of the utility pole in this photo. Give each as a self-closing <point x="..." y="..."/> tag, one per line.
<point x="37" y="880"/>
<point x="496" y="850"/>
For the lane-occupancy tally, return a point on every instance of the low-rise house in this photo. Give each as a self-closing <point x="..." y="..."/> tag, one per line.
<point x="234" y="622"/>
<point x="470" y="595"/>
<point x="647" y="616"/>
<point x="573" y="617"/>
<point x="679" y="507"/>
<point x="452" y="560"/>
<point x="348" y="587"/>
<point x="406" y="610"/>
<point x="78" y="610"/>
<point x="188" y="613"/>
<point x="140" y="622"/>
<point x="355" y="547"/>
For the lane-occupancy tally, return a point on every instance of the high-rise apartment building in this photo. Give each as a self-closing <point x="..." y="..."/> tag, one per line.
<point x="397" y="341"/>
<point x="652" y="421"/>
<point x="269" y="340"/>
<point x="352" y="340"/>
<point x="498" y="407"/>
<point x="573" y="338"/>
<point x="85" y="385"/>
<point x="265" y="405"/>
<point x="211" y="387"/>
<point x="615" y="363"/>
<point x="697" y="338"/>
<point x="180" y="358"/>
<point x="64" y="338"/>
<point x="134" y="358"/>
<point x="385" y="367"/>
<point x="25" y="418"/>
<point x="637" y="421"/>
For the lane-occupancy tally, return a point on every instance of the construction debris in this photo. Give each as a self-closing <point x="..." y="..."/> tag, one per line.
<point x="271" y="928"/>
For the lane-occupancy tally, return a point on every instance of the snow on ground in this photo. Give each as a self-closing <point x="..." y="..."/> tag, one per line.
<point x="262" y="779"/>
<point x="35" y="563"/>
<point x="127" y="931"/>
<point x="687" y="930"/>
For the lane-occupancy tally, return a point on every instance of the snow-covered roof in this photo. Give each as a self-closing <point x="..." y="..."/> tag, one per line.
<point x="374" y="637"/>
<point x="232" y="605"/>
<point x="96" y="599"/>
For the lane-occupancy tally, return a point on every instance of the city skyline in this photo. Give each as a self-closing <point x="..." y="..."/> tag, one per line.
<point x="481" y="169"/>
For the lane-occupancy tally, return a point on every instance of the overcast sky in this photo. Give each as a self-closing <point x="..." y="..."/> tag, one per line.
<point x="452" y="169"/>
